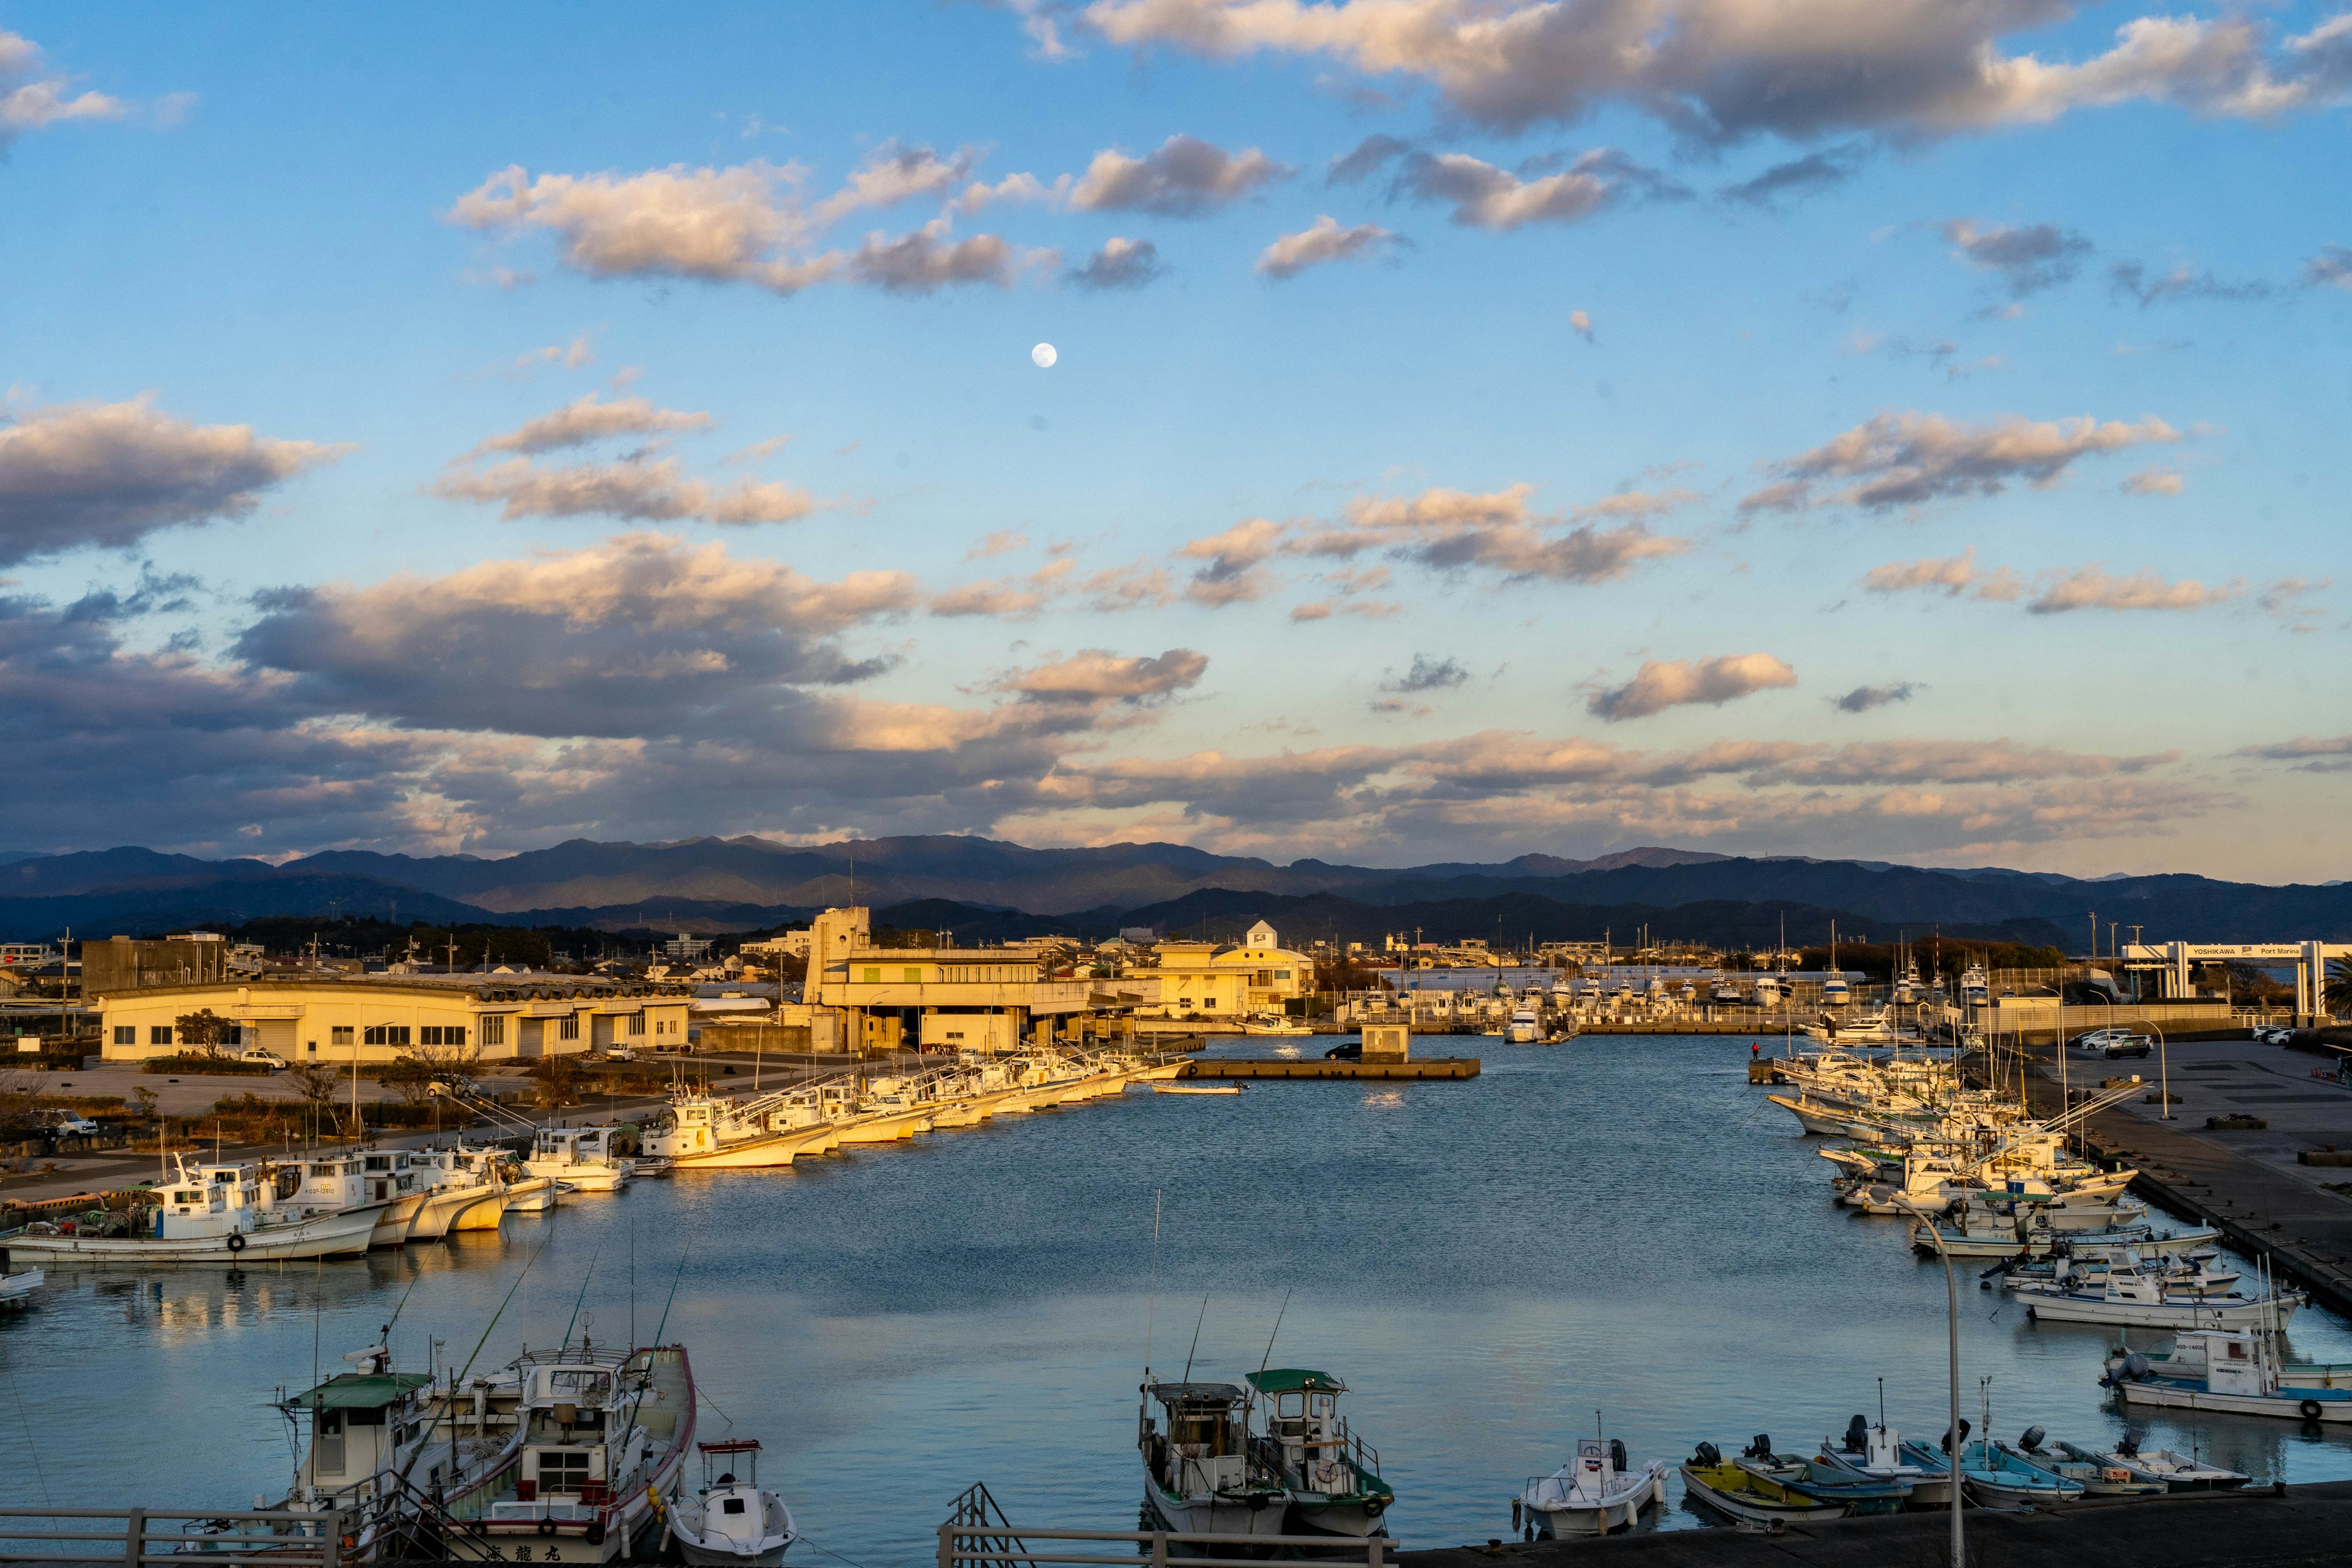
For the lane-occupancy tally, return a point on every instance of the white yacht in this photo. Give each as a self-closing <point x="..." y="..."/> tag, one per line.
<point x="731" y="1519"/>
<point x="1524" y="1029"/>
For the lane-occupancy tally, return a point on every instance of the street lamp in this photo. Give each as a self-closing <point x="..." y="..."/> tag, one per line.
<point x="1952" y="1290"/>
<point x="2163" y="1067"/>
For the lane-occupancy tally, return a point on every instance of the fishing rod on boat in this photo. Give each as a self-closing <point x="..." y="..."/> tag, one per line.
<point x="1278" y="1329"/>
<point x="1151" y="1298"/>
<point x="658" y="1329"/>
<point x="583" y="1293"/>
<point x="1196" y="1338"/>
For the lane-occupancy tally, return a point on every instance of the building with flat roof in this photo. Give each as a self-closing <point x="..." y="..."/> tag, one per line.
<point x="993" y="999"/>
<point x="1199" y="978"/>
<point x="371" y="1018"/>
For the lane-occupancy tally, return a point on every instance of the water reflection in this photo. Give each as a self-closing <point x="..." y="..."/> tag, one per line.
<point x="1616" y="1225"/>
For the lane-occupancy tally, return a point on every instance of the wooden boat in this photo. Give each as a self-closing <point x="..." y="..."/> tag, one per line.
<point x="1333" y="1478"/>
<point x="731" y="1520"/>
<point x="1597" y="1493"/>
<point x="1743" y="1494"/>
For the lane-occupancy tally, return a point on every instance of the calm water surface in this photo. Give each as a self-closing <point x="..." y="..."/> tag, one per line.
<point x="1619" y="1224"/>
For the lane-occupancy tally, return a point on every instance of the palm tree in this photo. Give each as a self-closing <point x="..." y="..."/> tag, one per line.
<point x="2337" y="993"/>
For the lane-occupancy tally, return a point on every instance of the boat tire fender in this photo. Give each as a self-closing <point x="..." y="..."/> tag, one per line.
<point x="235" y="1242"/>
<point x="1515" y="1513"/>
<point x="596" y="1533"/>
<point x="1375" y="1507"/>
<point x="2310" y="1408"/>
<point x="546" y="1527"/>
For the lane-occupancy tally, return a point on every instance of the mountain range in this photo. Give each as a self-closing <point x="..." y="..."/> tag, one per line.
<point x="712" y="885"/>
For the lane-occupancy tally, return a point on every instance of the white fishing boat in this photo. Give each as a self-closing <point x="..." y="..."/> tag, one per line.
<point x="1196" y="1088"/>
<point x="1877" y="1452"/>
<point x="223" y="1215"/>
<point x="731" y="1520"/>
<point x="2238" y="1372"/>
<point x="1332" y="1476"/>
<point x="537" y="1195"/>
<point x="17" y="1290"/>
<point x="1596" y="1493"/>
<point x="1198" y="1471"/>
<point x="604" y="1435"/>
<point x="2138" y="1297"/>
<point x="580" y="1157"/>
<point x="2177" y="1472"/>
<point x="2097" y="1477"/>
<point x="387" y="1178"/>
<point x="465" y="1190"/>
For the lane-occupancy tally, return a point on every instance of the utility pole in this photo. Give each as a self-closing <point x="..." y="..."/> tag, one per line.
<point x="2094" y="933"/>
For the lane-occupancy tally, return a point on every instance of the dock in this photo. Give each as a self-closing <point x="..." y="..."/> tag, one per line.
<point x="1318" y="1067"/>
<point x="2305" y="1524"/>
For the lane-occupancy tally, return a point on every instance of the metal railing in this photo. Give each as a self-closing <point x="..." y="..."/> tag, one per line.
<point x="998" y="1546"/>
<point x="132" y="1540"/>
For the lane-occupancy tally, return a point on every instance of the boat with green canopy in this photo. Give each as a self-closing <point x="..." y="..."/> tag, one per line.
<point x="1332" y="1476"/>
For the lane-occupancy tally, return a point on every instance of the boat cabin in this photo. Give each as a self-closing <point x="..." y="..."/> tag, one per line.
<point x="1304" y="1424"/>
<point x="573" y="1145"/>
<point x="359" y="1421"/>
<point x="330" y="1186"/>
<point x="387" y="1175"/>
<point x="1204" y="1446"/>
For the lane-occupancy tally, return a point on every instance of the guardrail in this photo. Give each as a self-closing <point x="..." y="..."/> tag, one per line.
<point x="1011" y="1546"/>
<point x="315" y="1539"/>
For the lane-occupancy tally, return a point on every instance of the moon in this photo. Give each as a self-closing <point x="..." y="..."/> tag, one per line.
<point x="1043" y="357"/>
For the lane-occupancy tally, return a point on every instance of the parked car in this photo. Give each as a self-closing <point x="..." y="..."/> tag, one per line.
<point x="619" y="1054"/>
<point x="2273" y="1034"/>
<point x="70" y="1124"/>
<point x="2114" y="1043"/>
<point x="259" y="1057"/>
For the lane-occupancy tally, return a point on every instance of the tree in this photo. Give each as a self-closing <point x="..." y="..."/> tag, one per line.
<point x="315" y="1083"/>
<point x="2337" y="993"/>
<point x="411" y="1079"/>
<point x="559" y="1081"/>
<point x="204" y="1030"/>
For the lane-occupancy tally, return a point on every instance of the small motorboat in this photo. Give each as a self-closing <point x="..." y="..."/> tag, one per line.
<point x="1741" y="1493"/>
<point x="731" y="1520"/>
<point x="1826" y="1482"/>
<point x="1196" y="1088"/>
<point x="1877" y="1452"/>
<point x="1998" y="1477"/>
<point x="17" y="1290"/>
<point x="2097" y="1477"/>
<point x="2177" y="1472"/>
<point x="2141" y="1297"/>
<point x="1596" y="1493"/>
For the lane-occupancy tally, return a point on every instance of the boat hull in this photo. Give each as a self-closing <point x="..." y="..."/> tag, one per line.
<point x="1750" y="1506"/>
<point x="2164" y="1315"/>
<point x="445" y="1206"/>
<point x="399" y="1217"/>
<point x="1213" y="1515"/>
<point x="2332" y="1406"/>
<point x="1565" y="1513"/>
<point x="329" y="1235"/>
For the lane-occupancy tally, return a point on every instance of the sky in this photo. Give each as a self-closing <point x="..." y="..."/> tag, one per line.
<point x="1899" y="429"/>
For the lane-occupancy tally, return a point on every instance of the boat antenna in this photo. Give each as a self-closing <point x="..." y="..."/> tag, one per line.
<point x="1278" y="1329"/>
<point x="583" y="1296"/>
<point x="1196" y="1338"/>
<point x="1152" y="1300"/>
<point x="1882" y="1405"/>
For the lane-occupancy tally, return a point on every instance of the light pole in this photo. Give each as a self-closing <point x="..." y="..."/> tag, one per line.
<point x="2163" y="1067"/>
<point x="1952" y="1291"/>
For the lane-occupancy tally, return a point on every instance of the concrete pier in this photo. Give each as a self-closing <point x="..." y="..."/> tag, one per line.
<point x="1318" y="1067"/>
<point x="2299" y="1525"/>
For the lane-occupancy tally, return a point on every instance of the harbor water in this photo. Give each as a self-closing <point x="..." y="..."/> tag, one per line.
<point x="1614" y="1234"/>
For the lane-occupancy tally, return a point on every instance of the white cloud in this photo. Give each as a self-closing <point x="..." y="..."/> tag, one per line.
<point x="2029" y="259"/>
<point x="1484" y="197"/>
<point x="1184" y="177"/>
<point x="2155" y="482"/>
<point x="1661" y="684"/>
<point x="1720" y="72"/>
<point x="590" y="418"/>
<point x="1907" y="459"/>
<point x="2331" y="268"/>
<point x="108" y="474"/>
<point x="1119" y="264"/>
<point x="1955" y="574"/>
<point x="1096" y="675"/>
<point x="32" y="101"/>
<point x="1324" y="240"/>
<point x="926" y="260"/>
<point x="2091" y="588"/>
<point x="655" y="490"/>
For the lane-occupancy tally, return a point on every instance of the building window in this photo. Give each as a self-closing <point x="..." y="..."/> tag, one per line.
<point x="494" y="1030"/>
<point x="386" y="1035"/>
<point x="633" y="1025"/>
<point x="341" y="1035"/>
<point x="873" y="977"/>
<point x="441" y="1035"/>
<point x="159" y="1035"/>
<point x="568" y="1027"/>
<point x="312" y="1047"/>
<point x="126" y="1033"/>
<point x="914" y="977"/>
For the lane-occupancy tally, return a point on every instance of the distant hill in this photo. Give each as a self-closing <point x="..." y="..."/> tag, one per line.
<point x="710" y="885"/>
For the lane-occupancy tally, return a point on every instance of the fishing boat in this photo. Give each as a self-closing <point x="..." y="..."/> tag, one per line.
<point x="387" y="1450"/>
<point x="1199" y="1476"/>
<point x="2239" y="1373"/>
<point x="731" y="1520"/>
<point x="1825" y="1481"/>
<point x="1332" y="1476"/>
<point x="2095" y="1477"/>
<point x="537" y="1195"/>
<point x="17" y="1290"/>
<point x="604" y="1434"/>
<point x="1998" y="1477"/>
<point x="2137" y="1296"/>
<point x="465" y="1190"/>
<point x="1196" y="1088"/>
<point x="1596" y="1493"/>
<point x="1743" y="1494"/>
<point x="2176" y="1472"/>
<point x="2189" y="1354"/>
<point x="582" y="1157"/>
<point x="1524" y="1029"/>
<point x="1877" y="1452"/>
<point x="224" y="1215"/>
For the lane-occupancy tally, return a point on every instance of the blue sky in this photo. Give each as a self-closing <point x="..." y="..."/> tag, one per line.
<point x="1909" y="432"/>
